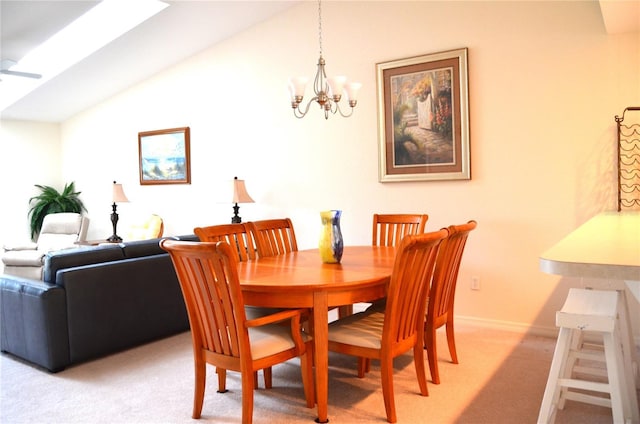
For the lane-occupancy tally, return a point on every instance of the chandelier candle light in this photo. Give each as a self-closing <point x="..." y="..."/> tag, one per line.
<point x="328" y="91"/>
<point x="118" y="197"/>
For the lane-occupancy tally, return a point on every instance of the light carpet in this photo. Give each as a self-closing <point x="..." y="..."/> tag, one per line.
<point x="500" y="379"/>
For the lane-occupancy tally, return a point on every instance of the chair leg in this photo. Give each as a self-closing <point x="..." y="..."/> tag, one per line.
<point x="306" y="367"/>
<point x="363" y="366"/>
<point x="386" y="373"/>
<point x="432" y="353"/>
<point x="247" y="397"/>
<point x="451" y="340"/>
<point x="267" y="378"/>
<point x="222" y="380"/>
<point x="345" y="311"/>
<point x="421" y="372"/>
<point x="198" y="393"/>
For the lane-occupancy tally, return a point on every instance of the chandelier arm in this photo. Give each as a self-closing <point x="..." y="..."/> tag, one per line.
<point x="298" y="113"/>
<point x="343" y="114"/>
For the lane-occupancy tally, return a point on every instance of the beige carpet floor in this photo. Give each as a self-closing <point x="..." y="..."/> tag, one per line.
<point x="500" y="379"/>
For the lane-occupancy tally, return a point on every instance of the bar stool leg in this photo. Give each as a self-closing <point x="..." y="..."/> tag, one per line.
<point x="615" y="374"/>
<point x="626" y="373"/>
<point x="575" y="344"/>
<point x="551" y="396"/>
<point x="626" y="335"/>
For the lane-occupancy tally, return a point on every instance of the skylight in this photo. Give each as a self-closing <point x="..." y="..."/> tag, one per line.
<point x="98" y="27"/>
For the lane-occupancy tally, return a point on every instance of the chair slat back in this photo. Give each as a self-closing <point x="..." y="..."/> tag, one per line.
<point x="443" y="286"/>
<point x="208" y="277"/>
<point x="389" y="229"/>
<point x="273" y="236"/>
<point x="237" y="235"/>
<point x="406" y="296"/>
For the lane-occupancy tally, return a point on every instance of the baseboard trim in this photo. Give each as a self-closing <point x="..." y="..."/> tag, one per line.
<point x="517" y="327"/>
<point x="512" y="326"/>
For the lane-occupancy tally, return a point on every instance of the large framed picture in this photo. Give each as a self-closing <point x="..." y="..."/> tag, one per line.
<point x="165" y="156"/>
<point x="423" y="118"/>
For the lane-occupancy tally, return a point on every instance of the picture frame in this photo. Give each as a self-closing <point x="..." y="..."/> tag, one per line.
<point x="165" y="156"/>
<point x="423" y="118"/>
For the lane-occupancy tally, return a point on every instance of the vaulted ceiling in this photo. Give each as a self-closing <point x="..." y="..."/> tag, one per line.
<point x="179" y="31"/>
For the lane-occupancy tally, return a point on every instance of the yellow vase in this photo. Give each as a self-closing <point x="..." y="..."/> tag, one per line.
<point x="331" y="244"/>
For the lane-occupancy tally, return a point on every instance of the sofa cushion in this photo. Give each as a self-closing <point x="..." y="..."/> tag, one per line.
<point x="33" y="272"/>
<point x="60" y="231"/>
<point x="140" y="248"/>
<point x="55" y="261"/>
<point x="23" y="258"/>
<point x="187" y="237"/>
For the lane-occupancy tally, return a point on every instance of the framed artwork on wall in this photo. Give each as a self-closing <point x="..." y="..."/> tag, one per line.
<point x="165" y="156"/>
<point x="423" y="118"/>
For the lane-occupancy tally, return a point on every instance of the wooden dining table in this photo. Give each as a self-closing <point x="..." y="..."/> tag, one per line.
<point x="301" y="280"/>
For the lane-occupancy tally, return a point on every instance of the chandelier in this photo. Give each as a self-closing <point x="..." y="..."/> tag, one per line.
<point x="328" y="91"/>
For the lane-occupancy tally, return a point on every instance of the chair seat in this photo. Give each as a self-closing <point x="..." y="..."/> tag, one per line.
<point x="270" y="339"/>
<point x="360" y="329"/>
<point x="253" y="312"/>
<point x="23" y="258"/>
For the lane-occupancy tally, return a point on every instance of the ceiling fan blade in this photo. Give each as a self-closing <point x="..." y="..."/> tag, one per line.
<point x="20" y="74"/>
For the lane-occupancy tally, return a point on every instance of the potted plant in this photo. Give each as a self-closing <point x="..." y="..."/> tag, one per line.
<point x="52" y="201"/>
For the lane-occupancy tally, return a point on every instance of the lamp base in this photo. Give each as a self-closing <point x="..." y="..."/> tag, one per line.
<point x="236" y="219"/>
<point x="115" y="238"/>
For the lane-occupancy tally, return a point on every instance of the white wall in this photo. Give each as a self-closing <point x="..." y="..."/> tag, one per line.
<point x="30" y="154"/>
<point x="545" y="84"/>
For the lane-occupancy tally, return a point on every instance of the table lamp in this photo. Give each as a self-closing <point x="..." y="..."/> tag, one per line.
<point x="118" y="197"/>
<point x="240" y="195"/>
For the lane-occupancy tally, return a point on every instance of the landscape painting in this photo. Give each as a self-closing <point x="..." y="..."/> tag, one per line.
<point x="164" y="156"/>
<point x="423" y="118"/>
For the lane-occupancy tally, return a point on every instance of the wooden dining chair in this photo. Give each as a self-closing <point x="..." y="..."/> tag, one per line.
<point x="442" y="294"/>
<point x="237" y="235"/>
<point x="385" y="335"/>
<point x="221" y="334"/>
<point x="389" y="229"/>
<point x="273" y="236"/>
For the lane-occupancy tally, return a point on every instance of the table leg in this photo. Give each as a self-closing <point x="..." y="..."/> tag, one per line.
<point x="321" y="354"/>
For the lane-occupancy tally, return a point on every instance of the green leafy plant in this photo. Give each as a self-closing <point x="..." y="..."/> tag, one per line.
<point x="52" y="201"/>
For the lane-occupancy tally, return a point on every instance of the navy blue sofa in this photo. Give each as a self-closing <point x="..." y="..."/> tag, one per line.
<point x="93" y="301"/>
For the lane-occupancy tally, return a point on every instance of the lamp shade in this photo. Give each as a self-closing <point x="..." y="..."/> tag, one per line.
<point x="118" y="194"/>
<point x="240" y="194"/>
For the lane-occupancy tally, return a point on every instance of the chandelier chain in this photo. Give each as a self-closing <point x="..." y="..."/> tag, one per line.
<point x="320" y="26"/>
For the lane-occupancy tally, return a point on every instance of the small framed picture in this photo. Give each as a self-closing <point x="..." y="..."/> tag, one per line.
<point x="164" y="156"/>
<point x="423" y="118"/>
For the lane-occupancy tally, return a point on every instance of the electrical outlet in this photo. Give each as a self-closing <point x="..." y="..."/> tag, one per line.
<point x="475" y="283"/>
